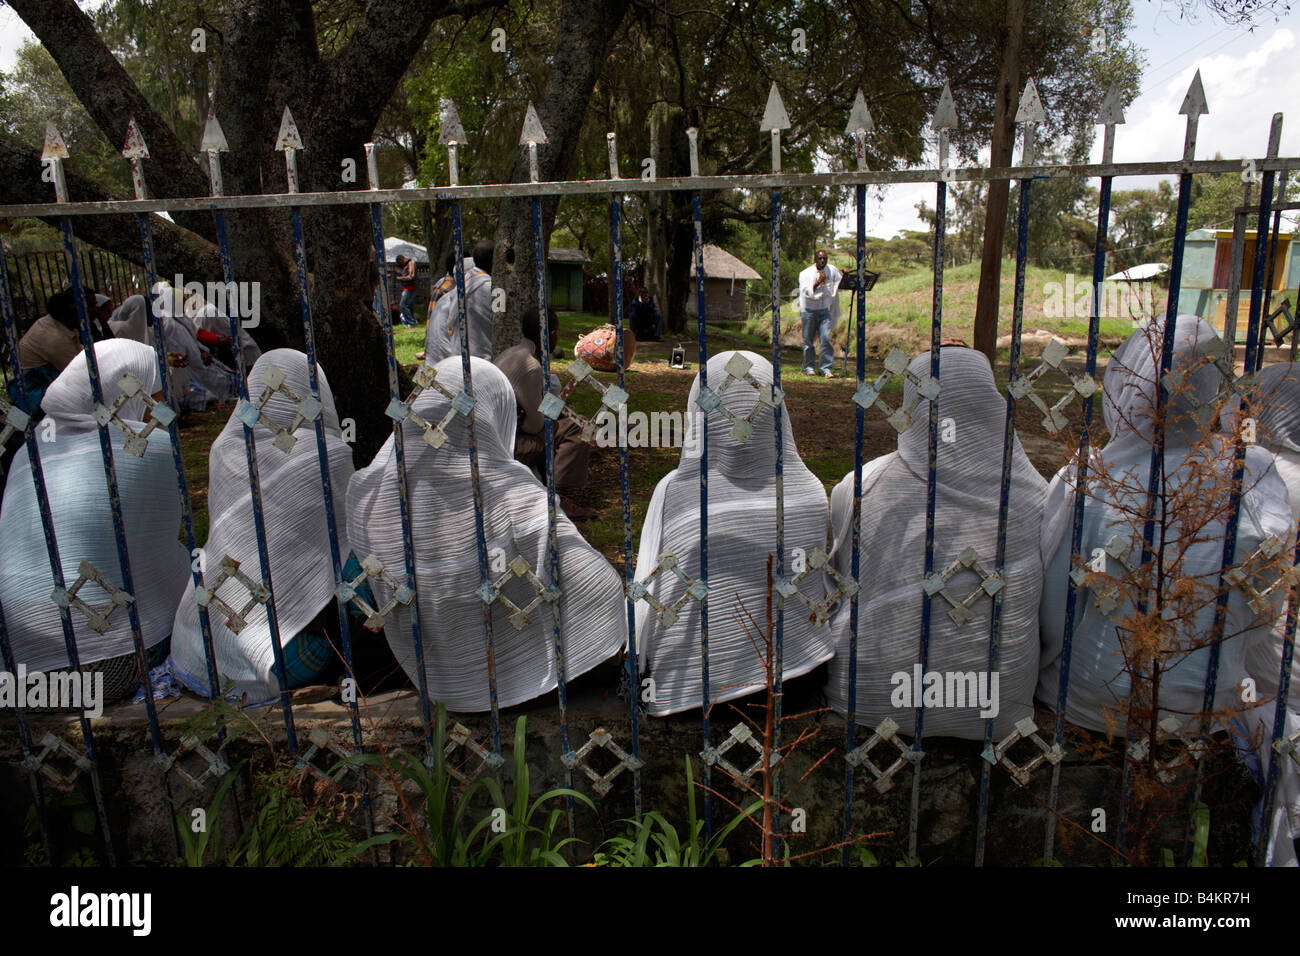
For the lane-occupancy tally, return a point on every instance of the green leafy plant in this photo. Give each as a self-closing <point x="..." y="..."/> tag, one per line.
<point x="505" y="837"/>
<point x="654" y="841"/>
<point x="285" y="827"/>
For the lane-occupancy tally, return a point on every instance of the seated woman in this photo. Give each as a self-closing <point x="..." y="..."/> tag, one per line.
<point x="972" y="415"/>
<point x="83" y="525"/>
<point x="593" y="615"/>
<point x="213" y="332"/>
<point x="297" y="539"/>
<point x="1197" y="477"/>
<point x="742" y="533"/>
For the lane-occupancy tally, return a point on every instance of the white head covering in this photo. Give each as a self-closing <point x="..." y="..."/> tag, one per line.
<point x="297" y="534"/>
<point x="592" y="613"/>
<point x="130" y="320"/>
<point x="1099" y="684"/>
<point x="442" y="336"/>
<point x="972" y="413"/>
<point x="78" y="495"/>
<point x="742" y="533"/>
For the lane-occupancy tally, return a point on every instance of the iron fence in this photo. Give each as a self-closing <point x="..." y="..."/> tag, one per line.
<point x="40" y="756"/>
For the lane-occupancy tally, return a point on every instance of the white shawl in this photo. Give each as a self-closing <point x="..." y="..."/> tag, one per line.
<point x="78" y="494"/>
<point x="742" y="533"/>
<point x="972" y="415"/>
<point x="297" y="535"/>
<point x="442" y="336"/>
<point x="592" y="613"/>
<point x="1099" y="683"/>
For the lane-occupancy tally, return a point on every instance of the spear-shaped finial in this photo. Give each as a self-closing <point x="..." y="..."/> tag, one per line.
<point x="135" y="150"/>
<point x="1110" y="115"/>
<point x="693" y="144"/>
<point x="532" y="134"/>
<point x="289" y="142"/>
<point x="214" y="144"/>
<point x="944" y="119"/>
<point x="53" y="155"/>
<point x="775" y="119"/>
<point x="1193" y="108"/>
<point x="1029" y="114"/>
<point x="450" y="134"/>
<point x="859" y="125"/>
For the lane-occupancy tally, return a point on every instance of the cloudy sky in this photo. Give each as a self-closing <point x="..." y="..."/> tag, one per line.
<point x="1247" y="75"/>
<point x="1247" y="78"/>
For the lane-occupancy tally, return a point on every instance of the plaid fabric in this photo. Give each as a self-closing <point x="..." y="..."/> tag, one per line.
<point x="305" y="657"/>
<point x="445" y="285"/>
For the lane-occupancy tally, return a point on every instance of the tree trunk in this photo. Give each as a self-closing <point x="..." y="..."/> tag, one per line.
<point x="995" y="216"/>
<point x="585" y="29"/>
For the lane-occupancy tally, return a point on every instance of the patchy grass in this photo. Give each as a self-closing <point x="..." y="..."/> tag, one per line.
<point x="899" y="309"/>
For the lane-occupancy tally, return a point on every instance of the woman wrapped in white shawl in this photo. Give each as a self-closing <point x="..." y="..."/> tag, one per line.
<point x="297" y="538"/>
<point x="78" y="495"/>
<point x="592" y="613"/>
<point x="742" y="533"/>
<point x="1275" y="424"/>
<point x="195" y="365"/>
<point x="972" y="415"/>
<point x="210" y="320"/>
<point x="1197" y="477"/>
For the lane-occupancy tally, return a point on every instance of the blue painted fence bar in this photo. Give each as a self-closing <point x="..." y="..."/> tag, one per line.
<point x="36" y="754"/>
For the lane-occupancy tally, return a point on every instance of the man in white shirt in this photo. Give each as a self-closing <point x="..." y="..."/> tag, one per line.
<point x="819" y="310"/>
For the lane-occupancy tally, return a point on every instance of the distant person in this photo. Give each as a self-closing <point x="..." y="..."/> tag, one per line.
<point x="819" y="310"/>
<point x="442" y="337"/>
<point x="446" y="284"/>
<point x="645" y="318"/>
<point x="52" y="342"/>
<point x="522" y="367"/>
<point x="406" y="276"/>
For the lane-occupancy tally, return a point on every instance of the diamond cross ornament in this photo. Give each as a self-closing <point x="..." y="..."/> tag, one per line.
<point x="321" y="739"/>
<point x="67" y="597"/>
<point x="884" y="779"/>
<point x="460" y="736"/>
<point x="491" y="591"/>
<point x="667" y="613"/>
<point x="372" y="567"/>
<point x="600" y="737"/>
<point x="900" y="418"/>
<point x="307" y="409"/>
<point x="1086" y="576"/>
<point x="160" y="415"/>
<point x="435" y="436"/>
<point x="1025" y="729"/>
<point x="236" y="621"/>
<point x="52" y="744"/>
<point x="215" y="765"/>
<point x="740" y="734"/>
<point x="738" y="369"/>
<point x="12" y="421"/>
<point x="991" y="583"/>
<point x="1280" y="332"/>
<point x="1244" y="576"/>
<point x="817" y="561"/>
<point x="611" y="397"/>
<point x="1053" y="359"/>
<point x="1168" y="730"/>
